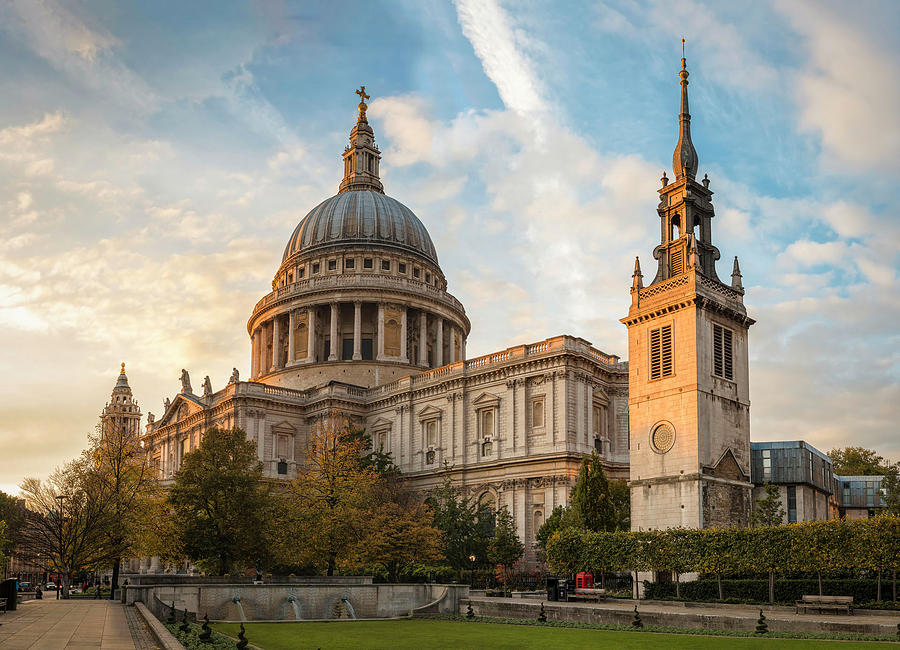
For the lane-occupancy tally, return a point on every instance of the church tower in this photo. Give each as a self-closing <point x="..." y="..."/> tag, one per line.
<point x="122" y="410"/>
<point x="689" y="405"/>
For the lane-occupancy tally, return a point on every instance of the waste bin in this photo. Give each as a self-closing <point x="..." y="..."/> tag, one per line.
<point x="553" y="589"/>
<point x="8" y="590"/>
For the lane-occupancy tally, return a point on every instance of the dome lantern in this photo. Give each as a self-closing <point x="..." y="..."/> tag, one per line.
<point x="361" y="157"/>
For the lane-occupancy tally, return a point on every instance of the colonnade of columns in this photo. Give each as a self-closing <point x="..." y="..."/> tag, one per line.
<point x="378" y="331"/>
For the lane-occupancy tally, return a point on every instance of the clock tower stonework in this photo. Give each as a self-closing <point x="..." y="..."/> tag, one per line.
<point x="689" y="404"/>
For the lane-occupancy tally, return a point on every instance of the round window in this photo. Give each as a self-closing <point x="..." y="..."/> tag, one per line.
<point x="662" y="438"/>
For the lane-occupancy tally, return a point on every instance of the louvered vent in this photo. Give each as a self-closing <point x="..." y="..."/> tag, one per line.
<point x="677" y="255"/>
<point x="661" y="360"/>
<point x="723" y="359"/>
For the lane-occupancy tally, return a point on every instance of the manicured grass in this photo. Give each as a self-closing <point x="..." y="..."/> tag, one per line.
<point x="419" y="634"/>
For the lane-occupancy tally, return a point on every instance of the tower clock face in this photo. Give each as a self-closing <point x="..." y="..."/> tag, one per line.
<point x="662" y="438"/>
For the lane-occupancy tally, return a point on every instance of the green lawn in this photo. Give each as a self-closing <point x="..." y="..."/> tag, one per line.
<point x="420" y="634"/>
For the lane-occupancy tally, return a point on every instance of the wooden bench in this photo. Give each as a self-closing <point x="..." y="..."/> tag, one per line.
<point x="588" y="594"/>
<point x="820" y="603"/>
<point x="3" y="604"/>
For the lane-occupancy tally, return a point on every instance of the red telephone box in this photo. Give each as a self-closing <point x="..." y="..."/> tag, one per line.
<point x="584" y="580"/>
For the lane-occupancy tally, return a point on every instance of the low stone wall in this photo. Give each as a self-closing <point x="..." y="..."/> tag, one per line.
<point x="735" y="618"/>
<point x="184" y="579"/>
<point x="288" y="602"/>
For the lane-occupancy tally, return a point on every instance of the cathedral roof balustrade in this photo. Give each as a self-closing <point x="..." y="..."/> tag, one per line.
<point x="502" y="358"/>
<point x="357" y="281"/>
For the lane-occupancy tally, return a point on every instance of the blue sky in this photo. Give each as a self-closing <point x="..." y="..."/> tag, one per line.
<point x="155" y="157"/>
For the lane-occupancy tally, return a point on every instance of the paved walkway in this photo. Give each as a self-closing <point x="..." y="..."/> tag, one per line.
<point x="58" y="624"/>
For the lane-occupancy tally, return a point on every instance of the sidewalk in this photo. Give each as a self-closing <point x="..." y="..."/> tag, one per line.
<point x="57" y="624"/>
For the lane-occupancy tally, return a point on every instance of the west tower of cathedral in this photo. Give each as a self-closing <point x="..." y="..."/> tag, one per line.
<point x="688" y="387"/>
<point x="122" y="411"/>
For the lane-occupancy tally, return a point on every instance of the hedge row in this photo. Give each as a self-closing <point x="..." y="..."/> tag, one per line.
<point x="786" y="591"/>
<point x="828" y="547"/>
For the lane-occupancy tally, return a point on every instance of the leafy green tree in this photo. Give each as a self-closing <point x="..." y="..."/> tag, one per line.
<point x="858" y="461"/>
<point x="768" y="511"/>
<point x="553" y="523"/>
<point x="890" y="485"/>
<point x="11" y="512"/>
<point x="595" y="503"/>
<point x="221" y="503"/>
<point x="3" y="542"/>
<point x="463" y="525"/>
<point x="505" y="547"/>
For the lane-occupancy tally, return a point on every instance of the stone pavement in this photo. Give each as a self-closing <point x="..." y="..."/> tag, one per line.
<point x="70" y="624"/>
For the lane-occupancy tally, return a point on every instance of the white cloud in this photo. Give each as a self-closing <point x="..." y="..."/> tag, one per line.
<point x="502" y="50"/>
<point x="848" y="91"/>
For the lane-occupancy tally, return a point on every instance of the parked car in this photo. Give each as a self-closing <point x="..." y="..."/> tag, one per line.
<point x="50" y="586"/>
<point x="25" y="586"/>
<point x="75" y="590"/>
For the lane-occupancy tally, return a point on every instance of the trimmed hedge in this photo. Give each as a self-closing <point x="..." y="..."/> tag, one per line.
<point x="758" y="590"/>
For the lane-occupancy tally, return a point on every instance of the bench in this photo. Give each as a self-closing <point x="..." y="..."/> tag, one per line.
<point x="820" y="603"/>
<point x="588" y="594"/>
<point x="3" y="604"/>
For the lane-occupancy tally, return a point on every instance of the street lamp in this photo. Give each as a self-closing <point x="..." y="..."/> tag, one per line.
<point x="59" y="520"/>
<point x="472" y="559"/>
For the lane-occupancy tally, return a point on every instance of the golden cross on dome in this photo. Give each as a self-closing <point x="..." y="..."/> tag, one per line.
<point x="362" y="104"/>
<point x="362" y="93"/>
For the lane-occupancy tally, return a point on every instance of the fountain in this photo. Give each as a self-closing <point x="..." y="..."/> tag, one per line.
<point x="237" y="601"/>
<point x="346" y="600"/>
<point x="292" y="599"/>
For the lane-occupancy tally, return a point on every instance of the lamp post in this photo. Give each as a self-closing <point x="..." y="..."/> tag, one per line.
<point x="59" y="518"/>
<point x="472" y="559"/>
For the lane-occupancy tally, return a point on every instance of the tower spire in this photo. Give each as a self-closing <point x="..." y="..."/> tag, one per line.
<point x="684" y="161"/>
<point x="361" y="157"/>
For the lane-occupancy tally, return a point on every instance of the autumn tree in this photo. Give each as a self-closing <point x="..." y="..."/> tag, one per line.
<point x="324" y="511"/>
<point x="121" y="466"/>
<point x="399" y="530"/>
<point x="768" y="510"/>
<point x="221" y="503"/>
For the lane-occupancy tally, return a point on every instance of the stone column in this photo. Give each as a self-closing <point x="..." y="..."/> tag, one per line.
<point x="423" y="339"/>
<point x="452" y="332"/>
<point x="276" y="347"/>
<point x="403" y="356"/>
<point x="291" y="325"/>
<point x="254" y="351"/>
<point x="311" y="346"/>
<point x="333" y="352"/>
<point x="439" y="343"/>
<point x="380" y="354"/>
<point x="463" y="350"/>
<point x="357" y="331"/>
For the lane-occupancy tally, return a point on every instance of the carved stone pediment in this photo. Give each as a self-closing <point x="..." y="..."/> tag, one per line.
<point x="380" y="424"/>
<point x="486" y="400"/>
<point x="284" y="427"/>
<point x="430" y="413"/>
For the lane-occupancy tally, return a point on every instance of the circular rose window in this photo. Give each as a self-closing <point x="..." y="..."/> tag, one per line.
<point x="663" y="437"/>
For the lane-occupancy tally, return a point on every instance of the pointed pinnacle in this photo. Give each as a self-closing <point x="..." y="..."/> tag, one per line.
<point x="637" y="266"/>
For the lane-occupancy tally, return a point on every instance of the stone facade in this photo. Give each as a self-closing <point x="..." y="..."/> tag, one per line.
<point x="689" y="405"/>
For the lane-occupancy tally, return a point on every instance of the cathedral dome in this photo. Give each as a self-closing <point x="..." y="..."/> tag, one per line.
<point x="361" y="217"/>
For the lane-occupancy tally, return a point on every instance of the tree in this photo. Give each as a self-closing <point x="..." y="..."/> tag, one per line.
<point x="462" y="522"/>
<point x="595" y="504"/>
<point x="220" y="502"/>
<point x="68" y="519"/>
<point x="11" y="512"/>
<point x="890" y="486"/>
<point x="858" y="461"/>
<point x="552" y="524"/>
<point x="326" y="509"/>
<point x="400" y="531"/>
<point x="505" y="548"/>
<point x="768" y="510"/>
<point x="121" y="465"/>
<point x="3" y="541"/>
